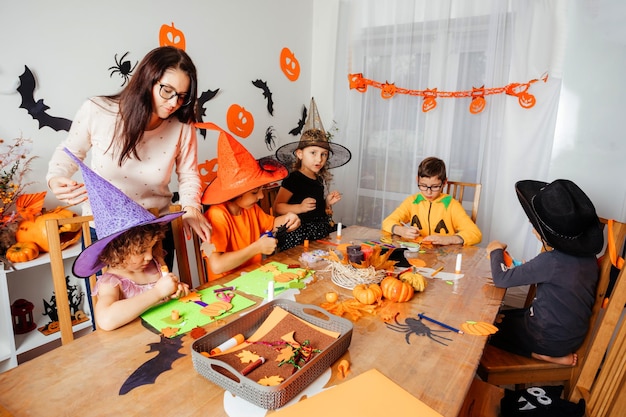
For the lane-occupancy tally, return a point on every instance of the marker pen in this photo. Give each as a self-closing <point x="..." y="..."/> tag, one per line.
<point x="232" y="342"/>
<point x="252" y="366"/>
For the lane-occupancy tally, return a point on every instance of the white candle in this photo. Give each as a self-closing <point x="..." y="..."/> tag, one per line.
<point x="270" y="290"/>
<point x="459" y="258"/>
<point x="338" y="230"/>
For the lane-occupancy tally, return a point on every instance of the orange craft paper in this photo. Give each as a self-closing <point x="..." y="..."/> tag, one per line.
<point x="360" y="396"/>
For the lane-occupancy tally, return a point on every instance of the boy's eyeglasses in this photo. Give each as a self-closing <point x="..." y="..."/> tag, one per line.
<point x="433" y="188"/>
<point x="167" y="92"/>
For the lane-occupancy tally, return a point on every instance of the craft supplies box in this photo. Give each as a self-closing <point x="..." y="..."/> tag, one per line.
<point x="274" y="396"/>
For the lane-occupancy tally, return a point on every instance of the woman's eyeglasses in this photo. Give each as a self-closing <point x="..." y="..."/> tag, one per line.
<point x="167" y="92"/>
<point x="433" y="188"/>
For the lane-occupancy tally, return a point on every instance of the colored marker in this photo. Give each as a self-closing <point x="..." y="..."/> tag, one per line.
<point x="252" y="366"/>
<point x="232" y="342"/>
<point x="422" y="316"/>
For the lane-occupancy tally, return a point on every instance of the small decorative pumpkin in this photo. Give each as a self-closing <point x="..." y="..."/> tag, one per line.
<point x="526" y="100"/>
<point x="239" y="121"/>
<point x="22" y="252"/>
<point x="289" y="64"/>
<point x="171" y="36"/>
<point x="388" y="90"/>
<point x="367" y="294"/>
<point x="395" y="290"/>
<point x="477" y="105"/>
<point x="35" y="230"/>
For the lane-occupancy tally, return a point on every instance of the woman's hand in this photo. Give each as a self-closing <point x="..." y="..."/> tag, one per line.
<point x="67" y="190"/>
<point x="194" y="220"/>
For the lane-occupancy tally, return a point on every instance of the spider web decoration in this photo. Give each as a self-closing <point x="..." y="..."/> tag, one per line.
<point x="477" y="105"/>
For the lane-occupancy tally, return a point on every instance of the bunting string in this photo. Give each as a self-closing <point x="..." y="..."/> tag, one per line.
<point x="477" y="104"/>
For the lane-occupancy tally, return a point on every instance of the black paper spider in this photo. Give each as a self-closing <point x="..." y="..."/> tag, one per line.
<point x="123" y="68"/>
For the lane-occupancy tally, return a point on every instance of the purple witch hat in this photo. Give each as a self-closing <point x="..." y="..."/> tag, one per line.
<point x="113" y="214"/>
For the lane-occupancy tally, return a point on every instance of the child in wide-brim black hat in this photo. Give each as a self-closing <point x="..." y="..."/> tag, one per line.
<point x="565" y="273"/>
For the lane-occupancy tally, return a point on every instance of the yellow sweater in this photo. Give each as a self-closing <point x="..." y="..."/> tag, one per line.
<point x="444" y="216"/>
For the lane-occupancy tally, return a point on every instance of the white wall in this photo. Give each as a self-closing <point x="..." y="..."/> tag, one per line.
<point x="69" y="46"/>
<point x="589" y="142"/>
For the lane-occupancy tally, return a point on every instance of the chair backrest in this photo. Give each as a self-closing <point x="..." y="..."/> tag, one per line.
<point x="458" y="191"/>
<point x="180" y="246"/>
<point x="602" y="375"/>
<point x="58" y="270"/>
<point x="267" y="202"/>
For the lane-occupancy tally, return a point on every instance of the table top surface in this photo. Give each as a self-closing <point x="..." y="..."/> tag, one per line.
<point x="85" y="376"/>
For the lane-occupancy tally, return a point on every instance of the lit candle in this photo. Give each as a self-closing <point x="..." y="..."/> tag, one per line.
<point x="459" y="259"/>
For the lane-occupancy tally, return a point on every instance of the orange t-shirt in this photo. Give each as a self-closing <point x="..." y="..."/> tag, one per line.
<point x="231" y="233"/>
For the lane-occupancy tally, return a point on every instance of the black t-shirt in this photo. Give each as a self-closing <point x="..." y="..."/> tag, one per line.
<point x="302" y="187"/>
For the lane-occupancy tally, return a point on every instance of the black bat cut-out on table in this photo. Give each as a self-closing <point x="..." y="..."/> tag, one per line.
<point x="266" y="93"/>
<point x="296" y="130"/>
<point x="37" y="109"/>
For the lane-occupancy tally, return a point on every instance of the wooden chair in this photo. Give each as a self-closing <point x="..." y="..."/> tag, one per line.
<point x="58" y="270"/>
<point x="269" y="195"/>
<point x="602" y="377"/>
<point x="457" y="190"/>
<point x="499" y="367"/>
<point x="482" y="400"/>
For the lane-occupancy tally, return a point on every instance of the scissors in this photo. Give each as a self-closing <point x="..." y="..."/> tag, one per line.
<point x="224" y="294"/>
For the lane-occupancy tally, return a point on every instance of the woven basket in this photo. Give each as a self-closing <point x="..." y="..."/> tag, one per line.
<point x="275" y="396"/>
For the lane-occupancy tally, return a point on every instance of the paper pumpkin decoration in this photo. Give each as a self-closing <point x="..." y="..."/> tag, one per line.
<point x="239" y="121"/>
<point x="388" y="90"/>
<point x="289" y="64"/>
<point x="171" y="36"/>
<point x="208" y="170"/>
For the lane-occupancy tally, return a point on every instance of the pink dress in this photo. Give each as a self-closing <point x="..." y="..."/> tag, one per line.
<point x="128" y="287"/>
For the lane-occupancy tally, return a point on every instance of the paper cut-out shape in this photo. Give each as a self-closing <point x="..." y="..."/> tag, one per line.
<point x="171" y="36"/>
<point x="266" y="93"/>
<point x="289" y="64"/>
<point x="298" y="129"/>
<point x="123" y="68"/>
<point x="205" y="97"/>
<point x="37" y="109"/>
<point x="239" y="120"/>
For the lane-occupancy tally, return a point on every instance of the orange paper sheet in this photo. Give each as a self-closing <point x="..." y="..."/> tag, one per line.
<point x="360" y="396"/>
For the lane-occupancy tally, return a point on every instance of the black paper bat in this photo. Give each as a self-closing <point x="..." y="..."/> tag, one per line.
<point x="270" y="137"/>
<point x="37" y="109"/>
<point x="148" y="372"/>
<point x="266" y="93"/>
<point x="296" y="130"/>
<point x="202" y="100"/>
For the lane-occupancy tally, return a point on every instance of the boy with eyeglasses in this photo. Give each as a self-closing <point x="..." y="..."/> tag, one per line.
<point x="437" y="217"/>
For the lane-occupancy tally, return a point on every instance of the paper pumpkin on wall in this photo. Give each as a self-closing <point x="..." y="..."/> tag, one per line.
<point x="289" y="64"/>
<point x="239" y="121"/>
<point x="208" y="171"/>
<point x="171" y="36"/>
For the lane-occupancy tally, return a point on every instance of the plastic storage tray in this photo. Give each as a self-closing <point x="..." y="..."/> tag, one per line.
<point x="275" y="396"/>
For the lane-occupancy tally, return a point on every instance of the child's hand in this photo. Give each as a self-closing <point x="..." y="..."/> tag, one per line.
<point x="308" y="204"/>
<point x="407" y="232"/>
<point x="167" y="285"/>
<point x="494" y="245"/>
<point x="292" y="221"/>
<point x="267" y="244"/>
<point x="181" y="291"/>
<point x="333" y="198"/>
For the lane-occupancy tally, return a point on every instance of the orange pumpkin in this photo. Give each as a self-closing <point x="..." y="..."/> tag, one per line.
<point x="239" y="121"/>
<point x="388" y="90"/>
<point x="367" y="294"/>
<point x="289" y="64"/>
<point x="526" y="100"/>
<point x="35" y="230"/>
<point x="171" y="36"/>
<point x="22" y="252"/>
<point x="477" y="105"/>
<point x="395" y="290"/>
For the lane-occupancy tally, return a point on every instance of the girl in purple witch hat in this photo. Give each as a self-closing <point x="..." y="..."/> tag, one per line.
<point x="136" y="277"/>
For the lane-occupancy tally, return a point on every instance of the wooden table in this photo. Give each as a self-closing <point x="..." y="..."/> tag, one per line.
<point x="84" y="377"/>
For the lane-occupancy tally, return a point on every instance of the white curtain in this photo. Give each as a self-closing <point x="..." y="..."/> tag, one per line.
<point x="451" y="45"/>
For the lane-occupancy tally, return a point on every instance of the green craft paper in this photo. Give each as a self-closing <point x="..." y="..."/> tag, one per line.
<point x="160" y="316"/>
<point x="255" y="282"/>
